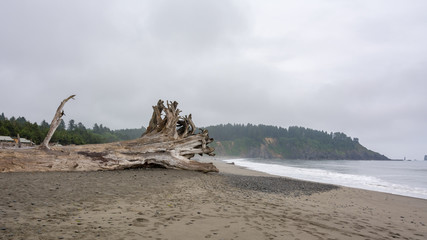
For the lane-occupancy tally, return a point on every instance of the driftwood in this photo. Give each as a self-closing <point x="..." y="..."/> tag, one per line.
<point x="19" y="141"/>
<point x="55" y="123"/>
<point x="170" y="141"/>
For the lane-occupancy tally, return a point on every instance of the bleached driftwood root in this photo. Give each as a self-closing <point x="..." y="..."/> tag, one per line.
<point x="170" y="141"/>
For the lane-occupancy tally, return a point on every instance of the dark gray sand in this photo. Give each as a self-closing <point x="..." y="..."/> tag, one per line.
<point x="285" y="186"/>
<point x="173" y="204"/>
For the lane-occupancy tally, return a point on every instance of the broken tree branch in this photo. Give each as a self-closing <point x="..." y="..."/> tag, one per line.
<point x="55" y="123"/>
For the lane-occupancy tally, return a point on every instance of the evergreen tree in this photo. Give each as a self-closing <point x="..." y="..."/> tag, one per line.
<point x="96" y="128"/>
<point x="71" y="125"/>
<point x="44" y="125"/>
<point x="4" y="131"/>
<point x="61" y="125"/>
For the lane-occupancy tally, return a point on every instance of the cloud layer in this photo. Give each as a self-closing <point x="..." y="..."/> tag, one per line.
<point x="356" y="67"/>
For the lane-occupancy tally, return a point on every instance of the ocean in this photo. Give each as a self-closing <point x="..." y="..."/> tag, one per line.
<point x="406" y="178"/>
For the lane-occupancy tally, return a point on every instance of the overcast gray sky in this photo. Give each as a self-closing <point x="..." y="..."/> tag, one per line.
<point x="357" y="67"/>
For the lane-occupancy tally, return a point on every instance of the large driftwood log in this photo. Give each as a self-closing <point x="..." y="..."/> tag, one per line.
<point x="170" y="141"/>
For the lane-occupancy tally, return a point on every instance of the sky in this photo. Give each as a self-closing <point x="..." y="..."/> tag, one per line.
<point x="357" y="67"/>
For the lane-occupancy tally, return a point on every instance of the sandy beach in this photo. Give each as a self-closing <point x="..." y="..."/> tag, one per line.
<point x="173" y="204"/>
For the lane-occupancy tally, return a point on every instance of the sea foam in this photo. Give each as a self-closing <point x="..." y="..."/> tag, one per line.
<point x="331" y="177"/>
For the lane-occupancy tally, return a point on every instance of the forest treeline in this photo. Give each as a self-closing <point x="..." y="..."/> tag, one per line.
<point x="262" y="141"/>
<point x="259" y="141"/>
<point x="70" y="133"/>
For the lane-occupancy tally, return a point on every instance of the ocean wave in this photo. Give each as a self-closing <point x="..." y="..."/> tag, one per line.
<point x="331" y="177"/>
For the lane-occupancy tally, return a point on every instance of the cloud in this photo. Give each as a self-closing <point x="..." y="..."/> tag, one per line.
<point x="193" y="26"/>
<point x="355" y="67"/>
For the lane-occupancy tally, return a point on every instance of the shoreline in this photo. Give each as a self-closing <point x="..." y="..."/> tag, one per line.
<point x="164" y="204"/>
<point x="236" y="169"/>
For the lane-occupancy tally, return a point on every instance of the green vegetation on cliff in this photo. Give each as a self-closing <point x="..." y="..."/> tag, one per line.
<point x="261" y="141"/>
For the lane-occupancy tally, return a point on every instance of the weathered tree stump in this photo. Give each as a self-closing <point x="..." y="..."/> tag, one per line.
<point x="170" y="141"/>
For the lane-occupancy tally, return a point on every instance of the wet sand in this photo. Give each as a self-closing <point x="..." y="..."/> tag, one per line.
<point x="173" y="204"/>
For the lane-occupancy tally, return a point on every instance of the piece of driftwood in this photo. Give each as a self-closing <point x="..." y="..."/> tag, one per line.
<point x="170" y="141"/>
<point x="19" y="141"/>
<point x="55" y="123"/>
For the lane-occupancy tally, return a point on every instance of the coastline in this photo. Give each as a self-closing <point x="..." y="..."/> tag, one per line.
<point x="237" y="203"/>
<point x="350" y="174"/>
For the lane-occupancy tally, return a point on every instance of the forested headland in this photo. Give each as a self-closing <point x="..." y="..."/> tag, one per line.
<point x="261" y="141"/>
<point x="254" y="141"/>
